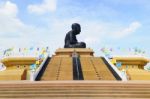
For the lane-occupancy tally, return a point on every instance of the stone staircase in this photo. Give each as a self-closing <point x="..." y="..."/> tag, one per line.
<point x="75" y="89"/>
<point x="94" y="68"/>
<point x="59" y="68"/>
<point x="52" y="69"/>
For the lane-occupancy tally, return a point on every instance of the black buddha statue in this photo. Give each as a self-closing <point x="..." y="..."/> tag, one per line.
<point x="71" y="40"/>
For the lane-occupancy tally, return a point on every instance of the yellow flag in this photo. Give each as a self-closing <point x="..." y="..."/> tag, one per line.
<point x="37" y="62"/>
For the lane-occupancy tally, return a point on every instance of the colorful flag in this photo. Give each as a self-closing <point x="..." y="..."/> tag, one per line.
<point x="47" y="49"/>
<point x="38" y="48"/>
<point x="19" y="49"/>
<point x="33" y="66"/>
<point x="31" y="48"/>
<point x="37" y="62"/>
<point x="118" y="64"/>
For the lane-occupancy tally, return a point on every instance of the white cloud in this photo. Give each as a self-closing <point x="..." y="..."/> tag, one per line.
<point x="45" y="6"/>
<point x="14" y="32"/>
<point x="9" y="23"/>
<point x="8" y="8"/>
<point x="127" y="31"/>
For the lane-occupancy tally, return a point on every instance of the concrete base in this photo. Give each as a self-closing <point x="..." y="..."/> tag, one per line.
<point x="68" y="52"/>
<point x="18" y="74"/>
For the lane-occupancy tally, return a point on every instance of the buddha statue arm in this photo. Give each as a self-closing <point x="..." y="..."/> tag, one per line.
<point x="73" y="39"/>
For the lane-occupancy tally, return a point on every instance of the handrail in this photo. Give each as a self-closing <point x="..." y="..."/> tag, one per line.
<point x="123" y="77"/>
<point x="34" y="74"/>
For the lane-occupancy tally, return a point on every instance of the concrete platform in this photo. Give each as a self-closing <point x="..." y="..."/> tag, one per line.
<point x="68" y="51"/>
<point x="75" y="90"/>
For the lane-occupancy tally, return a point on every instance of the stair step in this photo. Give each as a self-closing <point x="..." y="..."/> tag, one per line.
<point x="72" y="89"/>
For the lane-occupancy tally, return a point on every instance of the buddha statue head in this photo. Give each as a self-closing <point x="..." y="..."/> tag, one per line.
<point x="76" y="28"/>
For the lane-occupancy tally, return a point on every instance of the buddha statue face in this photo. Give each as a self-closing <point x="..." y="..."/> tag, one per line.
<point x="76" y="28"/>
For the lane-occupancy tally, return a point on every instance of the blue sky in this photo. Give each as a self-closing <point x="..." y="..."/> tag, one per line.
<point x="112" y="23"/>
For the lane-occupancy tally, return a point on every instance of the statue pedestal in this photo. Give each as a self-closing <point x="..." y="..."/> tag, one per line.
<point x="69" y="51"/>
